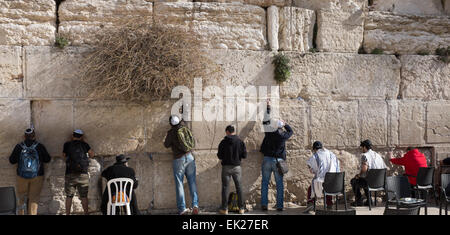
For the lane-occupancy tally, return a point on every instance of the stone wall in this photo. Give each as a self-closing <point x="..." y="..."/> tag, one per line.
<point x="337" y="93"/>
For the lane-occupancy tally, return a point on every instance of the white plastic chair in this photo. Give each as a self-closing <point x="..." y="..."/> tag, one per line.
<point x="122" y="198"/>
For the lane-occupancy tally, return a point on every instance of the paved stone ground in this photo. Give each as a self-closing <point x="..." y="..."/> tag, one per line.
<point x="298" y="210"/>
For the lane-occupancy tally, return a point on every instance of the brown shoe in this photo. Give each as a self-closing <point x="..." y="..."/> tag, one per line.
<point x="223" y="212"/>
<point x="241" y="211"/>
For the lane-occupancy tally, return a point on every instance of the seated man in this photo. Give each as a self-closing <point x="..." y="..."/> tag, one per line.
<point x="369" y="160"/>
<point x="120" y="169"/>
<point x="319" y="164"/>
<point x="412" y="161"/>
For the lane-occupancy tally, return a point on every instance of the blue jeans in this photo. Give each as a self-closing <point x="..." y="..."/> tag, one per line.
<point x="269" y="166"/>
<point x="185" y="166"/>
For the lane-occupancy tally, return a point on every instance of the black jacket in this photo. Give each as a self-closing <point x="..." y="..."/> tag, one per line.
<point x="44" y="157"/>
<point x="274" y="143"/>
<point x="119" y="170"/>
<point x="172" y="141"/>
<point x="232" y="150"/>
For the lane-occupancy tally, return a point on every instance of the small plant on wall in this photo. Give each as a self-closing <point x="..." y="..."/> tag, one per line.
<point x="61" y="42"/>
<point x="443" y="54"/>
<point x="282" y="68"/>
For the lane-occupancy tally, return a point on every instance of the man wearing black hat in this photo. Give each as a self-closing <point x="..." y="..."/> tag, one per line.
<point x="120" y="169"/>
<point x="30" y="156"/>
<point x="321" y="162"/>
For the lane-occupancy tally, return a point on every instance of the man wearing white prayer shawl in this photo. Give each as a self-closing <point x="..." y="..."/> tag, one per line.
<point x="320" y="163"/>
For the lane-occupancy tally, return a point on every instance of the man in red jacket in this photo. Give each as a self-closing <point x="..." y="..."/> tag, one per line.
<point x="412" y="160"/>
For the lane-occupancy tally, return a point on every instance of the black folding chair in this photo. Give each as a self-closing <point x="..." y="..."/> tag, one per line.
<point x="398" y="187"/>
<point x="425" y="182"/>
<point x="334" y="185"/>
<point x="337" y="212"/>
<point x="376" y="180"/>
<point x="445" y="192"/>
<point x="8" y="204"/>
<point x="402" y="211"/>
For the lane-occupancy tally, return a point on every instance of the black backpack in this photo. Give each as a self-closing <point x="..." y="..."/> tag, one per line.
<point x="78" y="160"/>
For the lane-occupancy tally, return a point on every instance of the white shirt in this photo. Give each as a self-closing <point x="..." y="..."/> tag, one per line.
<point x="373" y="159"/>
<point x="321" y="162"/>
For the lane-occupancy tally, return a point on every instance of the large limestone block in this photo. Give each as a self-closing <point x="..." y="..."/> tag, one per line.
<point x="11" y="75"/>
<point x="241" y="68"/>
<point x="208" y="134"/>
<point x="447" y="7"/>
<point x="410" y="7"/>
<point x="405" y="34"/>
<point x="411" y="123"/>
<point x="53" y="121"/>
<point x="164" y="197"/>
<point x="295" y="113"/>
<point x="251" y="178"/>
<point x="438" y="122"/>
<point x="340" y="31"/>
<point x="110" y="127"/>
<point x="14" y="119"/>
<point x="273" y="18"/>
<point x="262" y="3"/>
<point x="335" y="123"/>
<point x="156" y="126"/>
<point x="342" y="76"/>
<point x="373" y="121"/>
<point x="218" y="25"/>
<point x="81" y="21"/>
<point x="393" y="117"/>
<point x="27" y="22"/>
<point x="339" y="5"/>
<point x="425" y="77"/>
<point x="52" y="72"/>
<point x="296" y="26"/>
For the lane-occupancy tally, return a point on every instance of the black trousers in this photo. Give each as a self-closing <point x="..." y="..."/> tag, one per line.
<point x="229" y="172"/>
<point x="357" y="184"/>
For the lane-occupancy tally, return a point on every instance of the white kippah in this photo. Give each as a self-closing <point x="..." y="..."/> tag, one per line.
<point x="174" y="120"/>
<point x="280" y="124"/>
<point x="78" y="131"/>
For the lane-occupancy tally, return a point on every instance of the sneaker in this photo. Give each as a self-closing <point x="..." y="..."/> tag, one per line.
<point x="183" y="212"/>
<point x="195" y="210"/>
<point x="241" y="211"/>
<point x="264" y="208"/>
<point x="223" y="212"/>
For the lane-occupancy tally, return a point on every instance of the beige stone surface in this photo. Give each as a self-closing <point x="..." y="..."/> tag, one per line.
<point x="218" y="25"/>
<point x="373" y="121"/>
<point x="242" y="68"/>
<point x="340" y="31"/>
<point x="273" y="18"/>
<point x="425" y="77"/>
<point x="335" y="123"/>
<point x="438" y="122"/>
<point x="296" y="114"/>
<point x="53" y="121"/>
<point x="342" y="76"/>
<point x="410" y="7"/>
<point x="27" y="22"/>
<point x="14" y="119"/>
<point x="393" y="124"/>
<point x="411" y="123"/>
<point x="81" y="21"/>
<point x="447" y="7"/>
<point x="11" y="75"/>
<point x="110" y="128"/>
<point x="262" y="3"/>
<point x="405" y="34"/>
<point x="156" y="125"/>
<point x="296" y="29"/>
<point x="52" y="72"/>
<point x="339" y="5"/>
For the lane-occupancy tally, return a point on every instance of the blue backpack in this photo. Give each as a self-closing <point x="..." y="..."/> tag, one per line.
<point x="28" y="161"/>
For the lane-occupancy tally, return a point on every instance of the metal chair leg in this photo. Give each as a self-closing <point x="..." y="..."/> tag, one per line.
<point x="375" y="203"/>
<point x="369" y="199"/>
<point x="336" y="202"/>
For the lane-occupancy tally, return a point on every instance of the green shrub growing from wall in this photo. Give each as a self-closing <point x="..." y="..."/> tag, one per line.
<point x="61" y="42"/>
<point x="444" y="54"/>
<point x="282" y="68"/>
